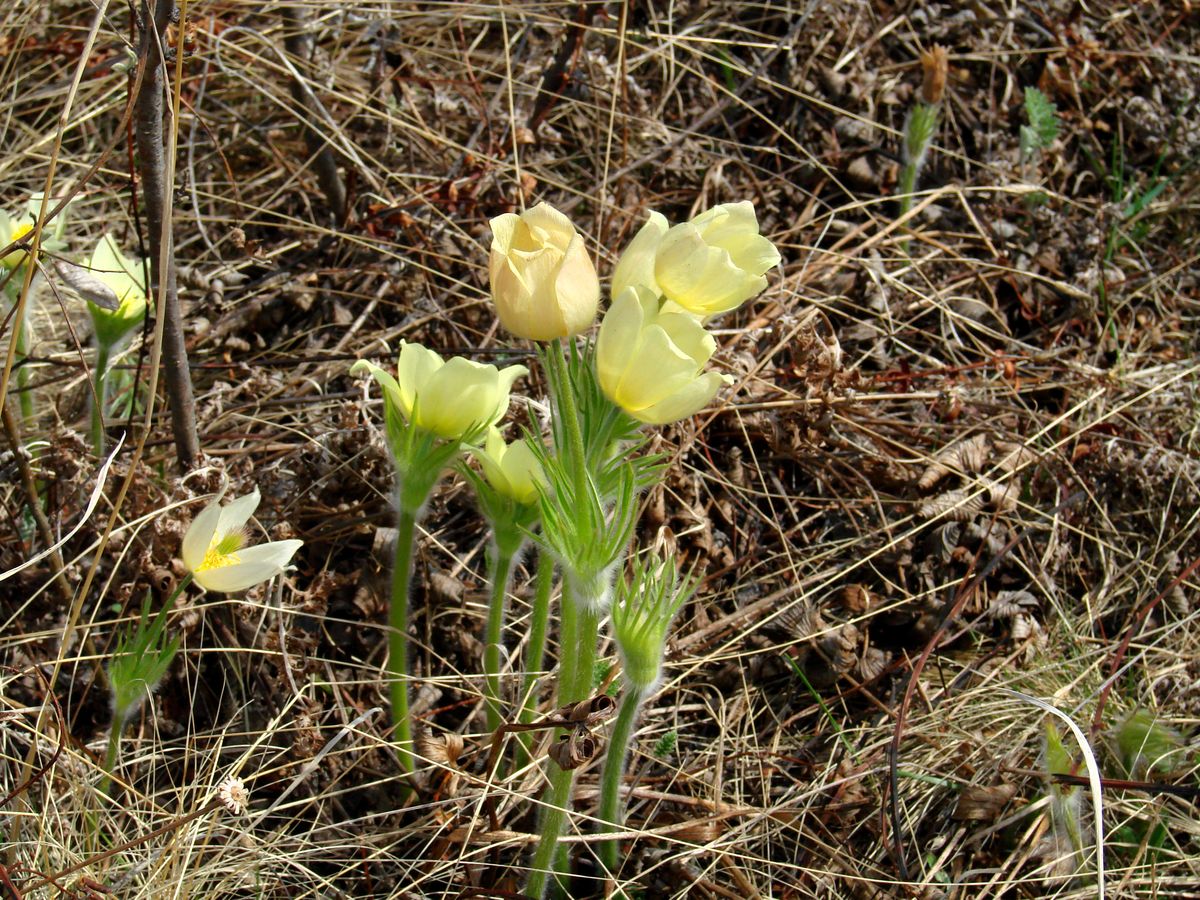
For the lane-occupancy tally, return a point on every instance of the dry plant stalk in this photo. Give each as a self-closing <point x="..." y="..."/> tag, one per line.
<point x="153" y="170"/>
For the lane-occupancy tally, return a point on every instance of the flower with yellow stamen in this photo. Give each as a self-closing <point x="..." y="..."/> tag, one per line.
<point x="13" y="229"/>
<point x="215" y="551"/>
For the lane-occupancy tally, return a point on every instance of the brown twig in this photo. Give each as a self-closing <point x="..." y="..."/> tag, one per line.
<point x="153" y="168"/>
<point x="298" y="43"/>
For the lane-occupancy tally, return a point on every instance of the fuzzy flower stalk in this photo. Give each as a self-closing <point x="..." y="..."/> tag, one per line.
<point x="921" y="124"/>
<point x="432" y="407"/>
<point x="1066" y="803"/>
<point x="647" y="367"/>
<point x="641" y="615"/>
<point x="508" y="496"/>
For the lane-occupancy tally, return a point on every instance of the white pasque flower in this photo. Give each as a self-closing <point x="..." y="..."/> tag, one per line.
<point x="215" y="551"/>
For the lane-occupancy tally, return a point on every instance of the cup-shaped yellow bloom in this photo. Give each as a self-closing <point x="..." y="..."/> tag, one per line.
<point x="710" y="265"/>
<point x="215" y="551"/>
<point x="13" y="229"/>
<point x="650" y="360"/>
<point x="511" y="469"/>
<point x="18" y="226"/>
<point x="448" y="398"/>
<point x="543" y="281"/>
<point x="123" y="277"/>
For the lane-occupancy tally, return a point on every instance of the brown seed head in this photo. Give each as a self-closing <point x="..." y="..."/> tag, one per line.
<point x="934" y="64"/>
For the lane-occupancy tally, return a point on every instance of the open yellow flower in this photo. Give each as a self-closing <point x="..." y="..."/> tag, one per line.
<point x="710" y="265"/>
<point x="650" y="360"/>
<point x="19" y="226"/>
<point x="215" y="551"/>
<point x="123" y="277"/>
<point x="511" y="469"/>
<point x="14" y="229"/>
<point x="542" y="277"/>
<point x="448" y="398"/>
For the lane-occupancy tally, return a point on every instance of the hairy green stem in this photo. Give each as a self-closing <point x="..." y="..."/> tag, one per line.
<point x="535" y="651"/>
<point x="24" y="395"/>
<point x="100" y="401"/>
<point x="397" y="663"/>
<point x="580" y="626"/>
<point x="610" y="779"/>
<point x="501" y="566"/>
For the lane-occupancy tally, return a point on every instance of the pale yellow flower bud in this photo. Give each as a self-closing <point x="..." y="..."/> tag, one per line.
<point x="512" y="470"/>
<point x="446" y="398"/>
<point x="543" y="281"/>
<point x="717" y="261"/>
<point x="124" y="277"/>
<point x="650" y="360"/>
<point x="215" y="553"/>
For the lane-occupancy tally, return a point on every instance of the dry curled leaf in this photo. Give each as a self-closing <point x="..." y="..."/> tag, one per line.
<point x="575" y="748"/>
<point x="965" y="456"/>
<point x="588" y="713"/>
<point x="959" y="504"/>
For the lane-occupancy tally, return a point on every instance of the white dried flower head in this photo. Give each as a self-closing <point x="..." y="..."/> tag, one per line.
<point x="233" y="795"/>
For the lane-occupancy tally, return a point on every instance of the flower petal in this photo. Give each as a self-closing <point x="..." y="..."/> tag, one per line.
<point x="661" y="370"/>
<point x="620" y="332"/>
<point x="683" y="403"/>
<point x="686" y="333"/>
<point x="416" y="366"/>
<point x="385" y="380"/>
<point x="255" y="565"/>
<point x="236" y="513"/>
<point x="701" y="278"/>
<point x="200" y="534"/>
<point x="636" y="265"/>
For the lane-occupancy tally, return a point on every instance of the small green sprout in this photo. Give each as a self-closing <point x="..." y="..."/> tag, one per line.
<point x="142" y="658"/>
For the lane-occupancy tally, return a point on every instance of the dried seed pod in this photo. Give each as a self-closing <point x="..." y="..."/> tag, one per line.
<point x="1022" y="626"/>
<point x="858" y="599"/>
<point x="872" y="664"/>
<point x="959" y="505"/>
<point x="983" y="803"/>
<point x="1002" y="495"/>
<point x="1015" y="456"/>
<point x="965" y="456"/>
<point x="441" y="749"/>
<point x="575" y="748"/>
<point x="1007" y="604"/>
<point x="947" y="540"/>
<point x="801" y="619"/>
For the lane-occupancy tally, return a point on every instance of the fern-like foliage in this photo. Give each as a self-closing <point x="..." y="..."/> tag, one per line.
<point x="1042" y="117"/>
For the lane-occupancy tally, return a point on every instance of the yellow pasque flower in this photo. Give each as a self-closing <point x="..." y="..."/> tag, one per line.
<point x="215" y="551"/>
<point x="123" y="277"/>
<point x="445" y="397"/>
<point x="511" y="469"/>
<point x="543" y="281"/>
<point x="19" y="226"/>
<point x="710" y="265"/>
<point x="650" y="360"/>
<point x="14" y="229"/>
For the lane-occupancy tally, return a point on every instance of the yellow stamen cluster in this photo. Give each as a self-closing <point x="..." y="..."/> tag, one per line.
<point x="222" y="552"/>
